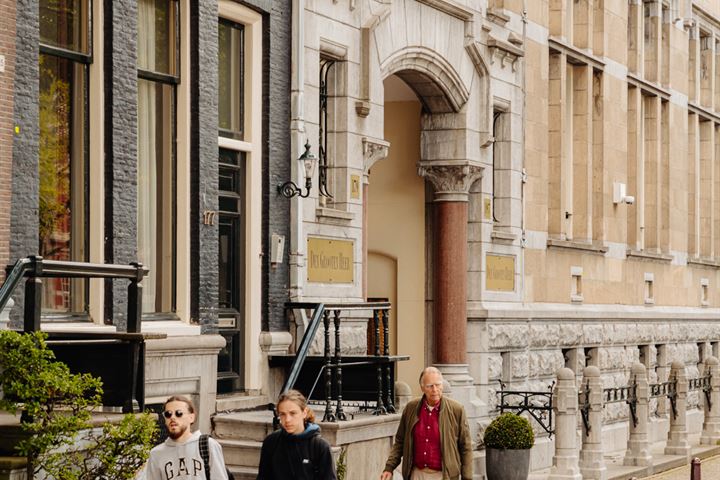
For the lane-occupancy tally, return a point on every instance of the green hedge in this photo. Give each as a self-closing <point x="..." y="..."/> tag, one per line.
<point x="509" y="432"/>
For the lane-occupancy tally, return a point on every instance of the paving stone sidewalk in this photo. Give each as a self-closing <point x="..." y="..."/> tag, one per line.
<point x="710" y="471"/>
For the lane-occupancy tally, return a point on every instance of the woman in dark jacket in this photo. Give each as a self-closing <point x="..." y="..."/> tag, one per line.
<point x="296" y="451"/>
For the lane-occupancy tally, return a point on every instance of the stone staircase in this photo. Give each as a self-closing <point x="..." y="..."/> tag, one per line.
<point x="241" y="424"/>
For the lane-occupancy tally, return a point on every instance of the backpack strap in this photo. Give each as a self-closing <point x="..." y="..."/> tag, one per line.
<point x="205" y="454"/>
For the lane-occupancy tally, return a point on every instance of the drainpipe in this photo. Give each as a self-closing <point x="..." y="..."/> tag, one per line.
<point x="523" y="81"/>
<point x="296" y="257"/>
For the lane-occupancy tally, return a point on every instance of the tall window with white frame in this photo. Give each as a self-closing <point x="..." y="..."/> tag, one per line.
<point x="65" y="57"/>
<point x="158" y="77"/>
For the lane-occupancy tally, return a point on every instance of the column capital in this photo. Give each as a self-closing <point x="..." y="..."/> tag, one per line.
<point x="373" y="150"/>
<point x="451" y="181"/>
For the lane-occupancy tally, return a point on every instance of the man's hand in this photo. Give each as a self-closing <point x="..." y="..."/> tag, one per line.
<point x="386" y="475"/>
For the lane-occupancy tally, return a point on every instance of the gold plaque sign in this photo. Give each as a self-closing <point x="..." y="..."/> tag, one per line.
<point x="487" y="208"/>
<point x="355" y="186"/>
<point x="500" y="272"/>
<point x="329" y="261"/>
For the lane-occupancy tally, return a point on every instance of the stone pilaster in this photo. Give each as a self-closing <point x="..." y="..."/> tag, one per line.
<point x="638" y="447"/>
<point x="565" y="403"/>
<point x="373" y="151"/>
<point x="677" y="443"/>
<point x="711" y="424"/>
<point x="592" y="463"/>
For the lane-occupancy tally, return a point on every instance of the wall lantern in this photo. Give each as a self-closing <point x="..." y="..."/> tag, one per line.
<point x="308" y="160"/>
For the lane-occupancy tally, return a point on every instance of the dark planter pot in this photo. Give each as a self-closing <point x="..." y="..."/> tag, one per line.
<point x="507" y="464"/>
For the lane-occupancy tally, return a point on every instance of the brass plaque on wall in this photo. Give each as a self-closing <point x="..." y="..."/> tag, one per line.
<point x="329" y="261"/>
<point x="500" y="272"/>
<point x="355" y="186"/>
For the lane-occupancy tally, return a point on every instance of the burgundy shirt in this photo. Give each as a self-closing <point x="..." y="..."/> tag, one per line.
<point x="426" y="438"/>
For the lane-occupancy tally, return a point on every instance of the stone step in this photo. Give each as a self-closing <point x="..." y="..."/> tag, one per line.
<point x="236" y="402"/>
<point x="253" y="425"/>
<point x="241" y="453"/>
<point x="244" y="473"/>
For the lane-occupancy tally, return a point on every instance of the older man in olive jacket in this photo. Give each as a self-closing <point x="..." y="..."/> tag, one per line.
<point x="433" y="438"/>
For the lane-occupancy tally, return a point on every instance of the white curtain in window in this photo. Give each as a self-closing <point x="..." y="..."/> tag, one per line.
<point x="147" y="156"/>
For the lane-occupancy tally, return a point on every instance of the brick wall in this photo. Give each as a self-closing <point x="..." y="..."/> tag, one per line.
<point x="277" y="39"/>
<point x="7" y="50"/>
<point x="120" y="66"/>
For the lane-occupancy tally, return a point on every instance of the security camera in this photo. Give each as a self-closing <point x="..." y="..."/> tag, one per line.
<point x="629" y="199"/>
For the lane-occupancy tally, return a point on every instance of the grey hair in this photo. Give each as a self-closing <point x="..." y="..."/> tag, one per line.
<point x="429" y="370"/>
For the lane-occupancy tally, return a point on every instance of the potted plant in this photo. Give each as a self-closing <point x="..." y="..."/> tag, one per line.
<point x="508" y="440"/>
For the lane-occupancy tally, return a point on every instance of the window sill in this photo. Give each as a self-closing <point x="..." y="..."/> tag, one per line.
<point x="575" y="245"/>
<point x="704" y="262"/>
<point x="332" y="214"/>
<point x="643" y="255"/>
<point x="499" y="236"/>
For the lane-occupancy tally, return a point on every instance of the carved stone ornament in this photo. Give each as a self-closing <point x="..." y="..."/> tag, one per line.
<point x="451" y="182"/>
<point x="373" y="150"/>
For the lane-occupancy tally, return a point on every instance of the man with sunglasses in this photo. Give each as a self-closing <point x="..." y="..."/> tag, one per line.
<point x="179" y="457"/>
<point x="433" y="437"/>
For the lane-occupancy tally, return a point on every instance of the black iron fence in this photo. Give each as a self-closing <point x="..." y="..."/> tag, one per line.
<point x="371" y="384"/>
<point x="538" y="405"/>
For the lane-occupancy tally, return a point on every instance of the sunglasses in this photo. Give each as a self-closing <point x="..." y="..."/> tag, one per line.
<point x="168" y="414"/>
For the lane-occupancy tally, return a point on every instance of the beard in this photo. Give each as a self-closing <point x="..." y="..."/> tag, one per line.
<point x="177" y="433"/>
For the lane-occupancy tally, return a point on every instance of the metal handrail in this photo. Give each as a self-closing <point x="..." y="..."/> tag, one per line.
<point x="13" y="280"/>
<point x="36" y="267"/>
<point x="304" y="348"/>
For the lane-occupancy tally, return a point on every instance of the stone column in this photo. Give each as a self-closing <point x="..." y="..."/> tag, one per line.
<point x="565" y="404"/>
<point x="452" y="184"/>
<point x="449" y="270"/>
<point x="711" y="424"/>
<point x="677" y="443"/>
<point x="638" y="447"/>
<point x="592" y="463"/>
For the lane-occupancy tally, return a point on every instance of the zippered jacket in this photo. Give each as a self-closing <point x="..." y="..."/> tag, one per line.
<point x="455" y="443"/>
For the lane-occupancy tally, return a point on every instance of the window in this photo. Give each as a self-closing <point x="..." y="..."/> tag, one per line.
<point x="231" y="80"/>
<point x="63" y="161"/>
<point x="158" y="38"/>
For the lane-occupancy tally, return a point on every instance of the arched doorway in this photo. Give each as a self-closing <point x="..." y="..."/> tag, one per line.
<point x="396" y="229"/>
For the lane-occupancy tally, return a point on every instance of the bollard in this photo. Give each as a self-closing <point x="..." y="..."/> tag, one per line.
<point x="565" y="404"/>
<point x="695" y="469"/>
<point x="677" y="443"/>
<point x="638" y="447"/>
<point x="711" y="423"/>
<point x="592" y="461"/>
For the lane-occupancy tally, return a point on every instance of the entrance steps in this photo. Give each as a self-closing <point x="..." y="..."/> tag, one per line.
<point x="365" y="438"/>
<point x="241" y="434"/>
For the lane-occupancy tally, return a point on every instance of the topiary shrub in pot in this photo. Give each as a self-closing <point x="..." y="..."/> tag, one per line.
<point x="508" y="440"/>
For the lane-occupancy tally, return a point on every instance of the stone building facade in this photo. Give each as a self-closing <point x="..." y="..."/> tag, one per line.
<point x="533" y="184"/>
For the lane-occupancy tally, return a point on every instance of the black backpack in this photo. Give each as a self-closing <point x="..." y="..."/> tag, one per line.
<point x="205" y="454"/>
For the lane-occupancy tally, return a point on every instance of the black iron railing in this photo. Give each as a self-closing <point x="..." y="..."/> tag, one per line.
<point x="702" y="384"/>
<point x="330" y="366"/>
<point x="35" y="268"/>
<point x="538" y="404"/>
<point x="118" y="358"/>
<point x="666" y="389"/>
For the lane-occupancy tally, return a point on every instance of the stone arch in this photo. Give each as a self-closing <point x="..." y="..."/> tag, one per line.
<point x="433" y="79"/>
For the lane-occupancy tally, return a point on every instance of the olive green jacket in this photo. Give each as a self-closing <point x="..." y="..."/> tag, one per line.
<point x="455" y="444"/>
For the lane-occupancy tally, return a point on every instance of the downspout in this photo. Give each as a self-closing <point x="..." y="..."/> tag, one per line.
<point x="296" y="258"/>
<point x="523" y="80"/>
